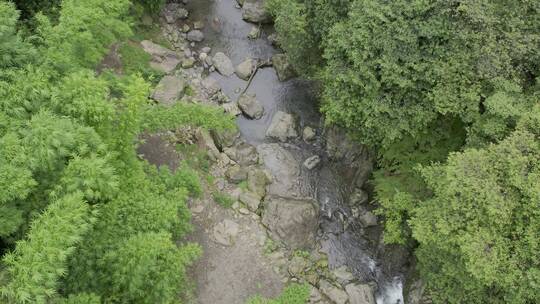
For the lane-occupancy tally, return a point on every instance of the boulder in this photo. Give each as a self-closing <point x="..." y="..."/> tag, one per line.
<point x="312" y="162"/>
<point x="225" y="139"/>
<point x="231" y="108"/>
<point x="225" y="232"/>
<point x="206" y="142"/>
<point x="283" y="167"/>
<point x="210" y="86"/>
<point x="163" y="59"/>
<point x="246" y="155"/>
<point x="283" y="67"/>
<point x="414" y="292"/>
<point x="188" y="63"/>
<point x="308" y="134"/>
<point x="254" y="33"/>
<point x="297" y="265"/>
<point x="358" y="197"/>
<point x="246" y="68"/>
<point x="223" y="64"/>
<point x="257" y="181"/>
<point x="255" y="11"/>
<point x="293" y="221"/>
<point x="250" y="106"/>
<point x="282" y="127"/>
<point x="251" y="200"/>
<point x="195" y="36"/>
<point x="368" y="219"/>
<point x="360" y="294"/>
<point x="198" y="25"/>
<point x="334" y="293"/>
<point x="169" y="90"/>
<point x="236" y="174"/>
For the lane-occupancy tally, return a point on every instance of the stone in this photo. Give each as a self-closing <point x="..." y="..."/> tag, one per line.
<point x="254" y="33"/>
<point x="257" y="181"/>
<point x="308" y="134"/>
<point x="188" y="63"/>
<point x="358" y="197"/>
<point x="343" y="275"/>
<point x="223" y="64"/>
<point x="283" y="67"/>
<point x="225" y="139"/>
<point x="169" y="90"/>
<point x="206" y="50"/>
<point x="211" y="86"/>
<point x="312" y="162"/>
<point x="415" y="292"/>
<point x="334" y="293"/>
<point x="173" y="12"/>
<point x="185" y="28"/>
<point x="368" y="219"/>
<point x="198" y="25"/>
<point x="360" y="294"/>
<point x="246" y="155"/>
<point x="236" y="174"/>
<point x="206" y="142"/>
<point x="282" y="127"/>
<point x="251" y="200"/>
<point x="297" y="265"/>
<point x="163" y="59"/>
<point x="250" y="106"/>
<point x="293" y="221"/>
<point x="283" y="168"/>
<point x="273" y="39"/>
<point x="225" y="232"/>
<point x="195" y="36"/>
<point x="231" y="108"/>
<point x="255" y="11"/>
<point x="245" y="69"/>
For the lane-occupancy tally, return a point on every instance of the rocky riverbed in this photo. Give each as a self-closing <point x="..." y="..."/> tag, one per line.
<point x="300" y="211"/>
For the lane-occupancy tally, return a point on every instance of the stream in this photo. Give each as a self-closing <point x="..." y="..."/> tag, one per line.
<point x="344" y="242"/>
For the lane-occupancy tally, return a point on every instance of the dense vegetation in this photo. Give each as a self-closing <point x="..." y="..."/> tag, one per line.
<point x="82" y="218"/>
<point x="446" y="93"/>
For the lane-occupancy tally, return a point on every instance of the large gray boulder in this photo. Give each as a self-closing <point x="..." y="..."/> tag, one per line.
<point x="257" y="181"/>
<point x="163" y="59"/>
<point x="283" y="67"/>
<point x="283" y="167"/>
<point x="360" y="294"/>
<point x="282" y="127"/>
<point x="173" y="12"/>
<point x="255" y="11"/>
<point x="292" y="221"/>
<point x="250" y="106"/>
<point x="169" y="90"/>
<point x="223" y="64"/>
<point x="245" y="69"/>
<point x="195" y="36"/>
<point x="334" y="293"/>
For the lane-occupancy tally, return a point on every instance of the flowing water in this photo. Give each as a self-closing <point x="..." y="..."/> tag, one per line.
<point x="345" y="244"/>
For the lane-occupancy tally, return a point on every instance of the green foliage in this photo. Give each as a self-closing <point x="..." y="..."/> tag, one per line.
<point x="223" y="199"/>
<point x="14" y="51"/>
<point x="293" y="294"/>
<point x="81" y="298"/>
<point x="136" y="61"/>
<point x="37" y="262"/>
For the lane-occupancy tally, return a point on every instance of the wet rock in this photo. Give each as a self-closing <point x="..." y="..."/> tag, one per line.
<point x="225" y="233"/>
<point x="282" y="127"/>
<point x="284" y="69"/>
<point x="254" y="33"/>
<point x="185" y="28"/>
<point x="223" y="64"/>
<point x="163" y="59"/>
<point x="340" y="147"/>
<point x="293" y="221"/>
<point x="206" y="50"/>
<point x="245" y="69"/>
<point x="273" y="39"/>
<point x="343" y="275"/>
<point x="283" y="167"/>
<point x="251" y="107"/>
<point x="236" y="174"/>
<point x="251" y="200"/>
<point x="312" y="162"/>
<point x="255" y="11"/>
<point x="169" y="90"/>
<point x="195" y="36"/>
<point x="308" y="134"/>
<point x="257" y="181"/>
<point x="360" y="294"/>
<point x="315" y="297"/>
<point x="334" y="293"/>
<point x="368" y="219"/>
